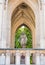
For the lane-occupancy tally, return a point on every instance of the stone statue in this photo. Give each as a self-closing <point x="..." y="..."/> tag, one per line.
<point x="23" y="40"/>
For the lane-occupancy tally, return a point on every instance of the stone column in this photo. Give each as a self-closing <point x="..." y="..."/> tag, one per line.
<point x="8" y="28"/>
<point x="37" y="59"/>
<point x="27" y="58"/>
<point x="43" y="4"/>
<point x="17" y="57"/>
<point x="4" y="25"/>
<point x="42" y="59"/>
<point x="37" y="31"/>
<point x="7" y="58"/>
<point x="1" y="19"/>
<point x="2" y="59"/>
<point x="42" y="25"/>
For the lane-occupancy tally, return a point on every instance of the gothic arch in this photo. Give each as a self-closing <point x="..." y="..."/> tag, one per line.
<point x="29" y="24"/>
<point x="12" y="5"/>
<point x="23" y="15"/>
<point x="15" y="3"/>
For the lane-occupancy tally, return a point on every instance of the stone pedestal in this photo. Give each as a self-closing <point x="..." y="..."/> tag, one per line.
<point x="27" y="58"/>
<point x="17" y="58"/>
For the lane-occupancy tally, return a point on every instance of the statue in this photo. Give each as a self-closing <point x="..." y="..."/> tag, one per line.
<point x="23" y="40"/>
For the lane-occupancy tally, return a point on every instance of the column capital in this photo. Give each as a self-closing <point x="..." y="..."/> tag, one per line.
<point x="2" y="54"/>
<point x="38" y="53"/>
<point x="18" y="53"/>
<point x="27" y="52"/>
<point x="42" y="54"/>
<point x="7" y="52"/>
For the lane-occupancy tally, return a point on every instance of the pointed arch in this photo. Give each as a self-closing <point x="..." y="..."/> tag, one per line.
<point x="23" y="10"/>
<point x="16" y="3"/>
<point x="13" y="4"/>
<point x="19" y="23"/>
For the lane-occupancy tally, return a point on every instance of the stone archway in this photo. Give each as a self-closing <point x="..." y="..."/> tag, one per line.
<point x="23" y="16"/>
<point x="12" y="6"/>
